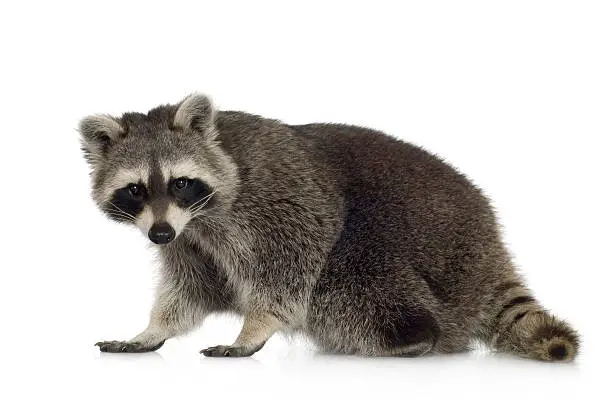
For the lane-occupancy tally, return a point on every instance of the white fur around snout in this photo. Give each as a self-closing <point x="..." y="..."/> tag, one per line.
<point x="145" y="220"/>
<point x="177" y="218"/>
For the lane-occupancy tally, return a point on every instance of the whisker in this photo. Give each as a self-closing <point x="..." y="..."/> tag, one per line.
<point x="193" y="206"/>
<point x="200" y="207"/>
<point x="116" y="212"/>
<point x="121" y="219"/>
<point x="122" y="211"/>
<point x="119" y="209"/>
<point x="196" y="203"/>
<point x="128" y="216"/>
<point x="120" y="216"/>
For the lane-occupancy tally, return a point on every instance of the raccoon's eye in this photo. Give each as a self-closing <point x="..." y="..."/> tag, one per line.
<point x="180" y="183"/>
<point x="135" y="190"/>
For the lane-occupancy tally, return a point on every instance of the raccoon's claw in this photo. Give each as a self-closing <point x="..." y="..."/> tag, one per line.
<point x="126" y="347"/>
<point x="227" y="351"/>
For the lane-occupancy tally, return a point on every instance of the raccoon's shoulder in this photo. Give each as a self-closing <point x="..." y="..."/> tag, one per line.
<point x="350" y="143"/>
<point x="236" y="124"/>
<point x="347" y="135"/>
<point x="252" y="140"/>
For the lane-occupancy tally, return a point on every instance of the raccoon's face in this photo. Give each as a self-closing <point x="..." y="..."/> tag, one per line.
<point x="161" y="170"/>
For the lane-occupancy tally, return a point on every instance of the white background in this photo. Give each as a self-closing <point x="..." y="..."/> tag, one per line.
<point x="518" y="95"/>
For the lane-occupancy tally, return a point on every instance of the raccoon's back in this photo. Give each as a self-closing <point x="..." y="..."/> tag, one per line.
<point x="374" y="168"/>
<point x="402" y="197"/>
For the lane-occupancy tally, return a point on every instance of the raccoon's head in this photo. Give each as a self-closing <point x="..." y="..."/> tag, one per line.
<point x="161" y="170"/>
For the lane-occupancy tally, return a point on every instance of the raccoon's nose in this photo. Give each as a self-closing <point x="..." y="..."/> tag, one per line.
<point x="161" y="233"/>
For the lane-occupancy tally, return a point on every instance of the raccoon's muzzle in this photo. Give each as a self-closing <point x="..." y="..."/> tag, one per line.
<point x="161" y="233"/>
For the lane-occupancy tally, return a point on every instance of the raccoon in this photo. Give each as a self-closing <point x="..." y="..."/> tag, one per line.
<point x="367" y="244"/>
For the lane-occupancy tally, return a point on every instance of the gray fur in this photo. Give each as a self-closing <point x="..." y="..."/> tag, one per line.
<point x="99" y="132"/>
<point x="367" y="244"/>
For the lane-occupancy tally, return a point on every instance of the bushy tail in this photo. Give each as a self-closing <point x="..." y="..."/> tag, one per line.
<point x="521" y="326"/>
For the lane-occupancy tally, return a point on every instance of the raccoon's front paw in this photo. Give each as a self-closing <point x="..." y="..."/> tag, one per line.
<point x="228" y="351"/>
<point x="126" y="347"/>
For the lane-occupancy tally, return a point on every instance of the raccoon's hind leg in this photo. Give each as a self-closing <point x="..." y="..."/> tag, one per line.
<point x="414" y="332"/>
<point x="376" y="316"/>
<point x="373" y="328"/>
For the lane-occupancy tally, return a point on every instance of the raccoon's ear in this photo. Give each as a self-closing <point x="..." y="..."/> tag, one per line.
<point x="195" y="113"/>
<point x="98" y="133"/>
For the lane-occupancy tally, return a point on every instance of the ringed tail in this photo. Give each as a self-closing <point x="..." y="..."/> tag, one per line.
<point x="523" y="327"/>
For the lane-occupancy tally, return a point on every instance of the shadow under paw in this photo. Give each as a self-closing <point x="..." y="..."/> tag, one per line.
<point x="126" y="347"/>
